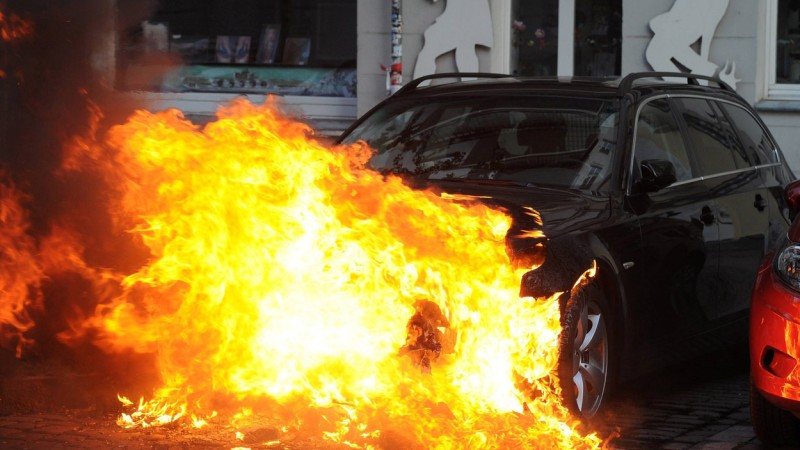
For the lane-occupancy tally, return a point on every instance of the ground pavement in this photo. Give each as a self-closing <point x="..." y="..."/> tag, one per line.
<point x="688" y="408"/>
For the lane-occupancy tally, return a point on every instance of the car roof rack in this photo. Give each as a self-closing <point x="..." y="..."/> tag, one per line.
<point x="417" y="81"/>
<point x="691" y="78"/>
<point x="625" y="84"/>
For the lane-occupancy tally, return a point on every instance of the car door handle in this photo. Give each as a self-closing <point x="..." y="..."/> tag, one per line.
<point x="707" y="216"/>
<point x="760" y="203"/>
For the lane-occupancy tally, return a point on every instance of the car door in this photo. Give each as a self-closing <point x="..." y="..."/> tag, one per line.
<point x="679" y="232"/>
<point x="737" y="201"/>
<point x="764" y="157"/>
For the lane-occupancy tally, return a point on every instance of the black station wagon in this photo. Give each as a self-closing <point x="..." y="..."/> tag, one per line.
<point x="675" y="189"/>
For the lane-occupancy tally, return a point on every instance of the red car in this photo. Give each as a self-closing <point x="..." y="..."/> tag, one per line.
<point x="775" y="340"/>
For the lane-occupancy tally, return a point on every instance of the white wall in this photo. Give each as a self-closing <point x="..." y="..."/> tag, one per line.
<point x="374" y="49"/>
<point x="374" y="43"/>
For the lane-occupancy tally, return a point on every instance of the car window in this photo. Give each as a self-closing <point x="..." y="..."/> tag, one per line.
<point x="740" y="155"/>
<point x="547" y="140"/>
<point x="753" y="136"/>
<point x="707" y="137"/>
<point x="658" y="137"/>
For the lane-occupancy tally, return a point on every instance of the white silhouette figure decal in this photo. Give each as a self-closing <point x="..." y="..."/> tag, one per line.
<point x="676" y="31"/>
<point x="462" y="26"/>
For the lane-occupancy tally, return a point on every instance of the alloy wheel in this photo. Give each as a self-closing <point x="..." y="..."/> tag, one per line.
<point x="589" y="358"/>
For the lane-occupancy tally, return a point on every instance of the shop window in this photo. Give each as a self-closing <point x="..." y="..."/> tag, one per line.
<point x="783" y="49"/>
<point x="536" y="37"/>
<point x="290" y="47"/>
<point x="787" y="55"/>
<point x="596" y="37"/>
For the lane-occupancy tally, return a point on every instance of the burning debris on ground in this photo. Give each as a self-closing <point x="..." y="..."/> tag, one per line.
<point x="258" y="272"/>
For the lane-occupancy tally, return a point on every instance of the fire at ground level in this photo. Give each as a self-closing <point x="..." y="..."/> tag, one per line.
<point x="708" y="409"/>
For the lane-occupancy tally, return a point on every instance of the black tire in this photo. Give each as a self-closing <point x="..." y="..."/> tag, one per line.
<point x="585" y="362"/>
<point x="775" y="427"/>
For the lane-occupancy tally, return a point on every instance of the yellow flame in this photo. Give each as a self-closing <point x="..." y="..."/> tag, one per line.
<point x="282" y="269"/>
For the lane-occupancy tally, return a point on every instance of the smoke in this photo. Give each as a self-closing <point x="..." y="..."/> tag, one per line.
<point x="53" y="82"/>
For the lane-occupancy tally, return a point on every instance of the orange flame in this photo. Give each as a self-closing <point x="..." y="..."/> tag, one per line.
<point x="20" y="272"/>
<point x="26" y="262"/>
<point x="283" y="272"/>
<point x="13" y="27"/>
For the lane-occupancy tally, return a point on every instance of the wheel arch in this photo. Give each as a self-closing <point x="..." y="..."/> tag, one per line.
<point x="609" y="278"/>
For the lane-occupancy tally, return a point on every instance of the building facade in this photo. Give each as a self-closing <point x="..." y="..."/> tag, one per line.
<point x="197" y="54"/>
<point x="753" y="45"/>
<point x="332" y="60"/>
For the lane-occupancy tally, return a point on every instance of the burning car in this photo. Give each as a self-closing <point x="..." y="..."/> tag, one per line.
<point x="673" y="190"/>
<point x="775" y="341"/>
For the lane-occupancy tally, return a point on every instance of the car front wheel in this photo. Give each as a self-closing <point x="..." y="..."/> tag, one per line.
<point x="584" y="362"/>
<point x="773" y="426"/>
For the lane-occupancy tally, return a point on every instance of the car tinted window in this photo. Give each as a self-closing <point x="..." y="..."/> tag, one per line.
<point x="753" y="136"/>
<point x="708" y="139"/>
<point x="740" y="155"/>
<point x="565" y="141"/>
<point x="658" y="137"/>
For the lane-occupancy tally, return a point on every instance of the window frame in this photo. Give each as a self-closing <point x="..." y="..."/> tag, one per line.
<point x="673" y="113"/>
<point x="775" y="90"/>
<point x="565" y="51"/>
<point x="775" y="154"/>
<point x="670" y="97"/>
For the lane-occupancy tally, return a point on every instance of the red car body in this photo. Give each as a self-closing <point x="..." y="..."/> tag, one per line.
<point x="775" y="342"/>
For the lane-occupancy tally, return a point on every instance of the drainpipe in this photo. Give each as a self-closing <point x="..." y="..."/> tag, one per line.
<point x="396" y="69"/>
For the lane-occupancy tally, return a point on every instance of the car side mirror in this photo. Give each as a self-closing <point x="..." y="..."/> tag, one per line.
<point x="657" y="174"/>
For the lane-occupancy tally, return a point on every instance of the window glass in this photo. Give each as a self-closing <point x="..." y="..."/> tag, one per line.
<point x="598" y="37"/>
<point x="707" y="137"/>
<point x="562" y="141"/>
<point x="597" y="40"/>
<point x="753" y="136"/>
<point x="297" y="47"/>
<point x="658" y="137"/>
<point x="535" y="37"/>
<point x="787" y="54"/>
<point x="740" y="155"/>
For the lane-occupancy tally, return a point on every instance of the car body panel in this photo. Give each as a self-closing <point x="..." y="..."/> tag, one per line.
<point x="775" y="339"/>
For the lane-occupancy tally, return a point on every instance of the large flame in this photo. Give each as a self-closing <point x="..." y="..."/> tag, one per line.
<point x="20" y="271"/>
<point x="283" y="274"/>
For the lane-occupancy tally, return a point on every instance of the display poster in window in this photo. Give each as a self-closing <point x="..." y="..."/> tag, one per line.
<point x="268" y="44"/>
<point x="191" y="49"/>
<point x="296" y="51"/>
<point x="233" y="49"/>
<point x="155" y="37"/>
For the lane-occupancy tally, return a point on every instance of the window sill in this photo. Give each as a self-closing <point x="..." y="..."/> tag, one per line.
<point x="771" y="105"/>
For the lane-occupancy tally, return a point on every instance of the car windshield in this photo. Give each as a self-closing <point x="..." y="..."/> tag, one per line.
<point x="545" y="140"/>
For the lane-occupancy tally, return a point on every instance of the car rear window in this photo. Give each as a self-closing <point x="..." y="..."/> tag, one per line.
<point x="564" y="141"/>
